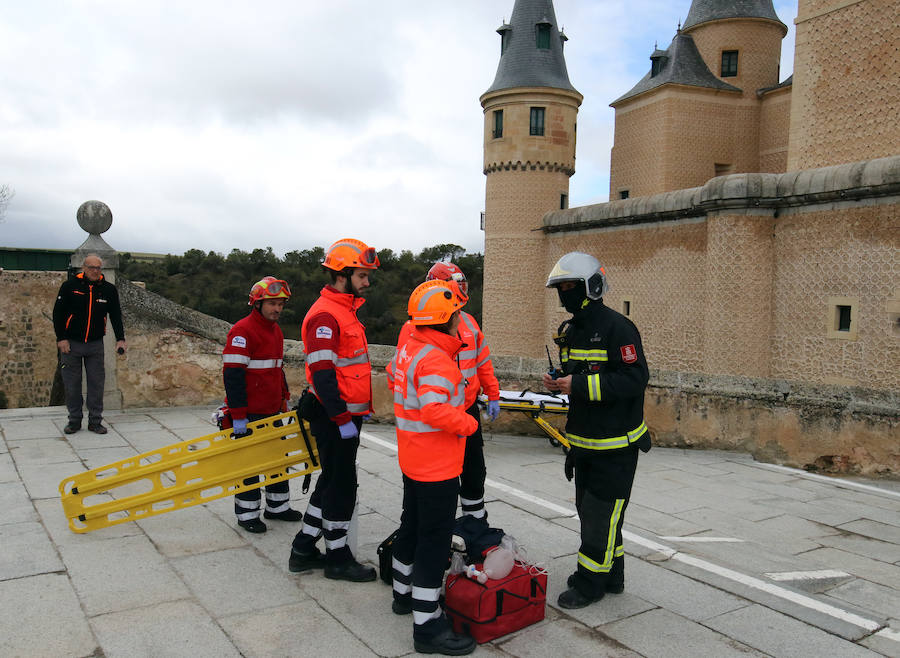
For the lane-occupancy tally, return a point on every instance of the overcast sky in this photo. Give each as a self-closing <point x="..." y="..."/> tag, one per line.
<point x="285" y="123"/>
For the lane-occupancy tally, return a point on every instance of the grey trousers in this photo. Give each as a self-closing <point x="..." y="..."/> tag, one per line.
<point x="70" y="366"/>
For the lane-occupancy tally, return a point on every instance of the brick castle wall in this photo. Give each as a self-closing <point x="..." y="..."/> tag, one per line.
<point x="845" y="52"/>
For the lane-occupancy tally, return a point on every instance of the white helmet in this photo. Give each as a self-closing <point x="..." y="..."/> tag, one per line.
<point x="578" y="266"/>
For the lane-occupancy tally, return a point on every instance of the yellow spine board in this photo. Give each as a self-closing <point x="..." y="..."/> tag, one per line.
<point x="534" y="412"/>
<point x="189" y="473"/>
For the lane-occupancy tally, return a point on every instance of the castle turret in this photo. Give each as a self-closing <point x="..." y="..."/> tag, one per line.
<point x="530" y="113"/>
<point x="740" y="41"/>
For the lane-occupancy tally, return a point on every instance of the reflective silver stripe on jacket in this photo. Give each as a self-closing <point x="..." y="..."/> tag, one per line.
<point x="235" y="358"/>
<point x="321" y="355"/>
<point x="414" y="426"/>
<point x="260" y="364"/>
<point x="358" y="407"/>
<point x="356" y="360"/>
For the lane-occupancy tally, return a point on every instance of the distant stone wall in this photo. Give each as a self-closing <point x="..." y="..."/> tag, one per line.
<point x="27" y="340"/>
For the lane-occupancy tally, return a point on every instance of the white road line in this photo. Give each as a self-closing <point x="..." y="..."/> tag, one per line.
<point x="807" y="575"/>
<point x="837" y="482"/>
<point x="888" y="634"/>
<point x="701" y="539"/>
<point x="735" y="576"/>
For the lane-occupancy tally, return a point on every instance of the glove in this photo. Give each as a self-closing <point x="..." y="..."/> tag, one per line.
<point x="569" y="467"/>
<point x="493" y="409"/>
<point x="348" y="430"/>
<point x="239" y="425"/>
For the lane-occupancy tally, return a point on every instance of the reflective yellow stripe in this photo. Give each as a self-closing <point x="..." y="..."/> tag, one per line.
<point x="611" y="538"/>
<point x="587" y="355"/>
<point x="593" y="382"/>
<point x="620" y="551"/>
<point x="589" y="564"/>
<point x="609" y="443"/>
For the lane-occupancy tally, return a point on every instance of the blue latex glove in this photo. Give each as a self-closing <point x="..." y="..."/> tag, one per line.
<point x="493" y="409"/>
<point x="348" y="430"/>
<point x="239" y="425"/>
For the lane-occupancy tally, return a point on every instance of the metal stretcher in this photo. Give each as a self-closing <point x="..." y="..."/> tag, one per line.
<point x="189" y="473"/>
<point x="533" y="405"/>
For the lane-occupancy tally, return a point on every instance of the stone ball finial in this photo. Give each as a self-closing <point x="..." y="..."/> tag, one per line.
<point x="95" y="217"/>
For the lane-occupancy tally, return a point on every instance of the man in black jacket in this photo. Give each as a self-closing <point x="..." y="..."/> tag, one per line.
<point x="79" y="319"/>
<point x="604" y="373"/>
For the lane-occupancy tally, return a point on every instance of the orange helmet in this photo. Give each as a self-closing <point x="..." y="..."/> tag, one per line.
<point x="433" y="302"/>
<point x="350" y="253"/>
<point x="269" y="288"/>
<point x="446" y="271"/>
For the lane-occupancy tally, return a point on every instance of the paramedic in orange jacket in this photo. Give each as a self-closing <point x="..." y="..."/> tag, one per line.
<point x="340" y="380"/>
<point x="478" y="370"/>
<point x="432" y="426"/>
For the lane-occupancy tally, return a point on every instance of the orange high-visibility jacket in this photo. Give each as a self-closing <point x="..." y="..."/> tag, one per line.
<point x="474" y="359"/>
<point x="429" y="398"/>
<point x="348" y="355"/>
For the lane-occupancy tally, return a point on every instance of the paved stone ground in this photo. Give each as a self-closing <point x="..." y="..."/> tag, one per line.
<point x="726" y="556"/>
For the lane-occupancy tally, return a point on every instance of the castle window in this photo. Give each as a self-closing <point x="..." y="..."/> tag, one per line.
<point x="563" y="201"/>
<point x="537" y="122"/>
<point x="655" y="66"/>
<point x="623" y="194"/>
<point x="504" y="31"/>
<point x="498" y="124"/>
<point x="842" y="317"/>
<point x="729" y="63"/>
<point x="543" y="36"/>
<point x="721" y="169"/>
<point x="626" y="307"/>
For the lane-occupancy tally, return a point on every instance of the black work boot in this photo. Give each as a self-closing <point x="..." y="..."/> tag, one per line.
<point x="287" y="515"/>
<point x="97" y="428"/>
<point x="72" y="427"/>
<point x="350" y="570"/>
<point x="253" y="525"/>
<point x="572" y="599"/>
<point x="402" y="606"/>
<point x="301" y="561"/>
<point x="446" y="643"/>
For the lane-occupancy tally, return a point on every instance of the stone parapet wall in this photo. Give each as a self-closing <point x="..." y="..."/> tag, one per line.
<point x="27" y="340"/>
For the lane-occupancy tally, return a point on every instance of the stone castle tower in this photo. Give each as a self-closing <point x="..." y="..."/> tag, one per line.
<point x="711" y="104"/>
<point x="530" y="113"/>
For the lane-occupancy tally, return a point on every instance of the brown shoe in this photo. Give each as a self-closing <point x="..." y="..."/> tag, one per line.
<point x="97" y="428"/>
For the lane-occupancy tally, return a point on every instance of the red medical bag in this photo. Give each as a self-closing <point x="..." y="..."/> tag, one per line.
<point x="497" y="607"/>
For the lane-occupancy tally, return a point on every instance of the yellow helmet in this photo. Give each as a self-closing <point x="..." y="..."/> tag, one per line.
<point x="269" y="288"/>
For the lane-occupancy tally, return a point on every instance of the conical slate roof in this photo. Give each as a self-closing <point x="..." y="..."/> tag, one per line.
<point x="703" y="11"/>
<point x="523" y="64"/>
<point x="680" y="64"/>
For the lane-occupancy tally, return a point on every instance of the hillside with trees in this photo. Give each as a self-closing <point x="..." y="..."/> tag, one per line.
<point x="219" y="285"/>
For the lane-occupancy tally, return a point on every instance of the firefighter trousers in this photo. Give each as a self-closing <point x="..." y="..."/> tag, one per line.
<point x="248" y="504"/>
<point x="603" y="481"/>
<point x="334" y="496"/>
<point x="422" y="549"/>
<point x="471" y="481"/>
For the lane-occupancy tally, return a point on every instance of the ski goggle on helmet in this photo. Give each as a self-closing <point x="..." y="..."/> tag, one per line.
<point x="269" y="288"/>
<point x="350" y="253"/>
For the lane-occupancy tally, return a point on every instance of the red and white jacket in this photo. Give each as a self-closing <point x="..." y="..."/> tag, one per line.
<point x="429" y="397"/>
<point x="253" y="367"/>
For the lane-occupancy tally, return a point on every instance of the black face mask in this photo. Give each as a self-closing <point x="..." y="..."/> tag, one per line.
<point x="572" y="299"/>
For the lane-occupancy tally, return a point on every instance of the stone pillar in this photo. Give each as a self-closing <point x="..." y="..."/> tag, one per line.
<point x="95" y="218"/>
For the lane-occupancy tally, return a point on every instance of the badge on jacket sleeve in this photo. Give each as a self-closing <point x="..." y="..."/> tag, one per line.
<point x="629" y="354"/>
<point x="239" y="341"/>
<point x="324" y="333"/>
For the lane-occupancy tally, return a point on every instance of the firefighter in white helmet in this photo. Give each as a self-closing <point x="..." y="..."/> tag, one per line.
<point x="604" y="373"/>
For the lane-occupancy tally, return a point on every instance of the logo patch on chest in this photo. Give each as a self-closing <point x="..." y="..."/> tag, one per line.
<point x="239" y="341"/>
<point x="629" y="354"/>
